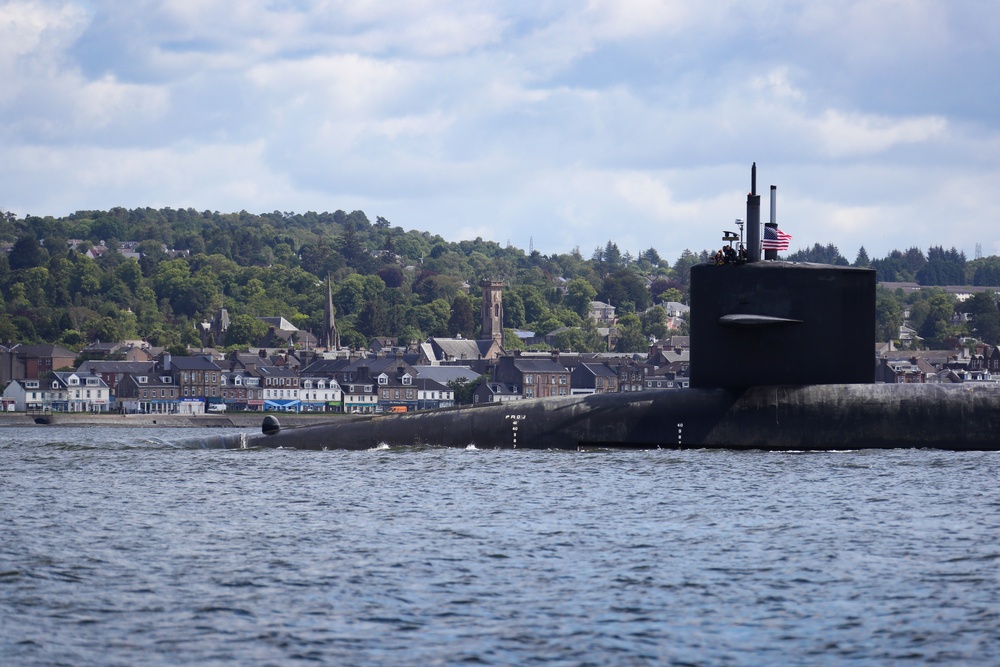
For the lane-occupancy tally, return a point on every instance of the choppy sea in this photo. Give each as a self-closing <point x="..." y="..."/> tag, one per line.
<point x="140" y="546"/>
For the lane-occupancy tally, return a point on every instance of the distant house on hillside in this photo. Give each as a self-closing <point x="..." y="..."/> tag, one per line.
<point x="602" y="313"/>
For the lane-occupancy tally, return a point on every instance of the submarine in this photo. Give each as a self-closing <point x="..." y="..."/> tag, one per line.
<point x="782" y="358"/>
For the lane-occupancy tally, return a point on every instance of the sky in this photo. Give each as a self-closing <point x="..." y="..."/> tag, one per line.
<point x="545" y="124"/>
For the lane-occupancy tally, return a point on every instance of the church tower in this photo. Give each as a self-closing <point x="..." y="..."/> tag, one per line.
<point x="329" y="336"/>
<point x="492" y="310"/>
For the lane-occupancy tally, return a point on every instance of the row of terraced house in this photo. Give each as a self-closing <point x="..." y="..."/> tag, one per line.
<point x="293" y="380"/>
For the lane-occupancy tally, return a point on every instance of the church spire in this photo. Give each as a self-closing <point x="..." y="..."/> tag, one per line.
<point x="329" y="336"/>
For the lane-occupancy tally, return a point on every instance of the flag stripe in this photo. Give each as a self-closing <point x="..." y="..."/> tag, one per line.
<point x="775" y="239"/>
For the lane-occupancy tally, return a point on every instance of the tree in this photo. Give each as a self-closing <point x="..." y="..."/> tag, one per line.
<point x="612" y="256"/>
<point x="464" y="389"/>
<point x="862" y="261"/>
<point x="985" y="271"/>
<point x="245" y="330"/>
<point x="26" y="253"/>
<point x="942" y="267"/>
<point x="650" y="256"/>
<point x="511" y="342"/>
<point x="630" y="338"/>
<point x="513" y="310"/>
<point x="819" y="254"/>
<point x="682" y="268"/>
<point x="462" y="321"/>
<point x="654" y="322"/>
<point x="433" y="286"/>
<point x="571" y="339"/>
<point x="622" y="287"/>
<point x="936" y="309"/>
<point x="888" y="316"/>
<point x="985" y="317"/>
<point x="432" y="318"/>
<point x="371" y="319"/>
<point x="579" y="294"/>
<point x="535" y="305"/>
<point x="351" y="294"/>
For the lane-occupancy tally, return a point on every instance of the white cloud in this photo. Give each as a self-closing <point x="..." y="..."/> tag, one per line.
<point x="28" y="28"/>
<point x="843" y="134"/>
<point x="569" y="124"/>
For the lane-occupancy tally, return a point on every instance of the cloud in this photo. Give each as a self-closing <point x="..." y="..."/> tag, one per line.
<point x="853" y="134"/>
<point x="566" y="124"/>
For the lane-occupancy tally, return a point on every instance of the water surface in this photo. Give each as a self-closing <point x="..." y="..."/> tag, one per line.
<point x="142" y="546"/>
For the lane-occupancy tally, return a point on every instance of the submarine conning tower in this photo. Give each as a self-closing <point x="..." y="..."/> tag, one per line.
<point x="771" y="322"/>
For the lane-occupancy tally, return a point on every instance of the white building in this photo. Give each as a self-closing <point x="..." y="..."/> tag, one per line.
<point x="60" y="391"/>
<point x="24" y="396"/>
<point x="320" y="395"/>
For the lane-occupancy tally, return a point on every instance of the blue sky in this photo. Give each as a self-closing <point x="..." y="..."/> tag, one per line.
<point x="556" y="124"/>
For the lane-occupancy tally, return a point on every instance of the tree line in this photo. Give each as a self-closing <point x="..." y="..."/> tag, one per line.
<point x="388" y="281"/>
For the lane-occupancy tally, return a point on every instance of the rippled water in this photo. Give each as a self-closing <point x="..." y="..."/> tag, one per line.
<point x="122" y="547"/>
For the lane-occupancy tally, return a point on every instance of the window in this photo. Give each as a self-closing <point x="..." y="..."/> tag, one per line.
<point x="529" y="379"/>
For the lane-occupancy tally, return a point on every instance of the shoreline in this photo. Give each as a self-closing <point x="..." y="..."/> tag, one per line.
<point x="107" y="420"/>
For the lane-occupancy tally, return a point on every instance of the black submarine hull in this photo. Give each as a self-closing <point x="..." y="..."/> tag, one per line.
<point x="784" y="418"/>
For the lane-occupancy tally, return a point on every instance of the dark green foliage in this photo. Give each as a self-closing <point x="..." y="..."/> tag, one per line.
<point x="984" y="271"/>
<point x="625" y="287"/>
<point x="982" y="307"/>
<point x="27" y="253"/>
<point x="462" y="320"/>
<point x="387" y="280"/>
<point x="942" y="267"/>
<point x="862" y="260"/>
<point x="464" y="390"/>
<point x="899" y="266"/>
<point x="820" y="254"/>
<point x="888" y="315"/>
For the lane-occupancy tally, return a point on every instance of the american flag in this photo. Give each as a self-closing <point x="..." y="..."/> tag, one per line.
<point x="775" y="239"/>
